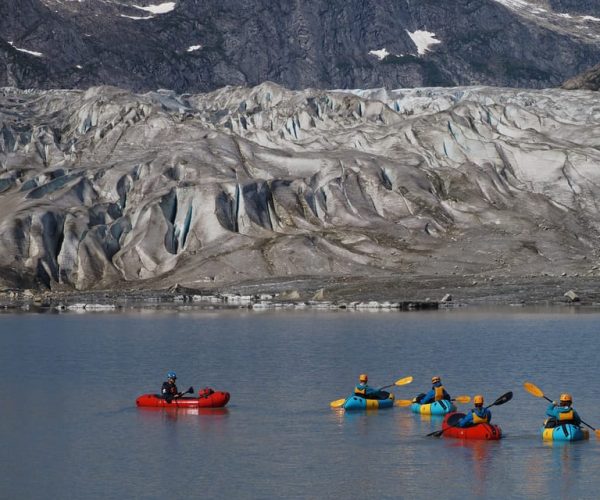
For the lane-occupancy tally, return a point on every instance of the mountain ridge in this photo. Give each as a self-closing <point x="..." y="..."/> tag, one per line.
<point x="198" y="46"/>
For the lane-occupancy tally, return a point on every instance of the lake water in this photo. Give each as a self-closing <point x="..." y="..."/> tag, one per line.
<point x="70" y="428"/>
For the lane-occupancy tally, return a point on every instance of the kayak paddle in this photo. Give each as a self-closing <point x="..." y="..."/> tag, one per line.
<point x="338" y="403"/>
<point x="458" y="399"/>
<point x="189" y="391"/>
<point x="505" y="398"/>
<point x="402" y="381"/>
<point x="534" y="390"/>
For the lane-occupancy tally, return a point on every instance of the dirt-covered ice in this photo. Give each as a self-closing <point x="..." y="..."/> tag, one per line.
<point x="106" y="189"/>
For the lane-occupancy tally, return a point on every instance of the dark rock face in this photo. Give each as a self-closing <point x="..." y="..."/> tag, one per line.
<point x="199" y="45"/>
<point x="108" y="189"/>
<point x="586" y="7"/>
<point x="590" y="80"/>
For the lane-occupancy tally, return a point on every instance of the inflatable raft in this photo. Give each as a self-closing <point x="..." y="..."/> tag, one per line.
<point x="359" y="403"/>
<point x="207" y="398"/>
<point x="478" y="431"/>
<point x="441" y="407"/>
<point x="565" y="432"/>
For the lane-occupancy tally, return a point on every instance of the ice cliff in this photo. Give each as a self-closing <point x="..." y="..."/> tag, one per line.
<point x="106" y="188"/>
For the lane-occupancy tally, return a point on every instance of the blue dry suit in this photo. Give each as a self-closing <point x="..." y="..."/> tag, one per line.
<point x="476" y="416"/>
<point x="436" y="393"/>
<point x="365" y="391"/>
<point x="563" y="414"/>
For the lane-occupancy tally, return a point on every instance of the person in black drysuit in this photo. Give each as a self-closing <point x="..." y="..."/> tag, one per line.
<point x="169" y="390"/>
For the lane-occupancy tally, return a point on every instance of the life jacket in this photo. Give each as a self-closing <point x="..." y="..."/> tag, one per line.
<point x="361" y="389"/>
<point x="439" y="393"/>
<point x="566" y="415"/>
<point x="169" y="389"/>
<point x="480" y="420"/>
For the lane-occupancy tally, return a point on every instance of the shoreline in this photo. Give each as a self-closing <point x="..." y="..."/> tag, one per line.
<point x="352" y="293"/>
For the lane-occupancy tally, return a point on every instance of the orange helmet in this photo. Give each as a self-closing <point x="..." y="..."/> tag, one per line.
<point x="566" y="398"/>
<point x="363" y="377"/>
<point x="478" y="400"/>
<point x="435" y="379"/>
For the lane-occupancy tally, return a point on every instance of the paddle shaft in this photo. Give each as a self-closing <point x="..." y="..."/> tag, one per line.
<point x="177" y="396"/>
<point x="402" y="381"/>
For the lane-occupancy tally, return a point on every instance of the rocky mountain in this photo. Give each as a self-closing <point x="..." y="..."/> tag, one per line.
<point x="589" y="80"/>
<point x="582" y="7"/>
<point x="201" y="45"/>
<point x="108" y="189"/>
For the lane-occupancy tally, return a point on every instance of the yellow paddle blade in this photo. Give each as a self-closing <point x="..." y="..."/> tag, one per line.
<point x="403" y="402"/>
<point x="404" y="381"/>
<point x="338" y="403"/>
<point x="533" y="389"/>
<point x="462" y="399"/>
<point x="597" y="432"/>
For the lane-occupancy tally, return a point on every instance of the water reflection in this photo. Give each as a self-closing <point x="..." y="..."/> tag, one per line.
<point x="562" y="462"/>
<point x="566" y="459"/>
<point x="174" y="414"/>
<point x="480" y="455"/>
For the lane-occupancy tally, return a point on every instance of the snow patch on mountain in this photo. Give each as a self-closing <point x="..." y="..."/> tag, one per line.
<point x="380" y="54"/>
<point x="30" y="52"/>
<point x="162" y="8"/>
<point x="423" y="40"/>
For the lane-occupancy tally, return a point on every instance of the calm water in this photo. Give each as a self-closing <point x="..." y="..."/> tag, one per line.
<point x="70" y="428"/>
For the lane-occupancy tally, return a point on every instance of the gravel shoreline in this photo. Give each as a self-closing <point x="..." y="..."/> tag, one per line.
<point x="393" y="292"/>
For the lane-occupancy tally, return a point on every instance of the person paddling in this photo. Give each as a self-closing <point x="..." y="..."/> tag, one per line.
<point x="562" y="412"/>
<point x="478" y="415"/>
<point x="363" y="389"/>
<point x="437" y="392"/>
<point x="169" y="390"/>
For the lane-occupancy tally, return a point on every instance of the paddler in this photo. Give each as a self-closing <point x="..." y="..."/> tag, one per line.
<point x="437" y="392"/>
<point x="477" y="415"/>
<point x="363" y="389"/>
<point x="562" y="412"/>
<point x="169" y="390"/>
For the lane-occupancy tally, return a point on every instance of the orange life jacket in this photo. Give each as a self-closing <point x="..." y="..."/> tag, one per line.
<point x="566" y="415"/>
<point x="439" y="393"/>
<point x="361" y="389"/>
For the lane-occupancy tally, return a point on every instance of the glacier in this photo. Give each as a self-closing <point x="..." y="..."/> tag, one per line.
<point x="108" y="189"/>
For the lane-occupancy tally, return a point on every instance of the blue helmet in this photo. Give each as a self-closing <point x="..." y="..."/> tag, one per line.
<point x="172" y="375"/>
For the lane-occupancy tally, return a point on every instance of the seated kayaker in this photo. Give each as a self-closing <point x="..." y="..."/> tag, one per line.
<point x="478" y="415"/>
<point x="562" y="412"/>
<point x="169" y="389"/>
<point x="436" y="393"/>
<point x="364" y="390"/>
